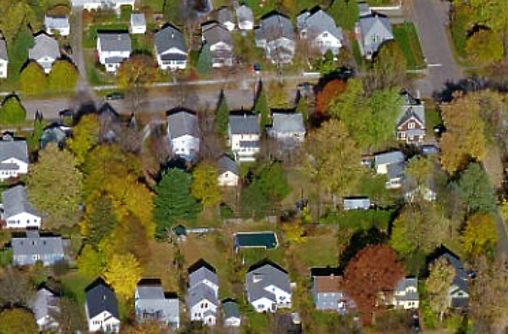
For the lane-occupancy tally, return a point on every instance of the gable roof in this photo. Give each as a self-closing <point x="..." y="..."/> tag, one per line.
<point x="461" y="275"/>
<point x="10" y="148"/>
<point x="169" y="38"/>
<point x="215" y="32"/>
<point x="138" y="20"/>
<point x="44" y="46"/>
<point x="15" y="201"/>
<point x="318" y="22"/>
<point x="403" y="284"/>
<point x="388" y="158"/>
<point x="242" y="125"/>
<point x="115" y="41"/>
<point x="44" y="302"/>
<point x="199" y="292"/>
<point x="100" y="298"/>
<point x="244" y="14"/>
<point x="182" y="122"/>
<point x="152" y="301"/>
<point x="225" y="14"/>
<point x="259" y="278"/>
<point x="3" y="50"/>
<point x="328" y="284"/>
<point x="150" y="289"/>
<point x="230" y="308"/>
<point x="226" y="164"/>
<point x="32" y="243"/>
<point x="375" y="24"/>
<point x="201" y="271"/>
<point x="412" y="108"/>
<point x="266" y="240"/>
<point x="275" y="26"/>
<point x="287" y="123"/>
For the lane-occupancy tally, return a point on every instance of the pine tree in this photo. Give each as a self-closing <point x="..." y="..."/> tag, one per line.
<point x="173" y="202"/>
<point x="101" y="221"/>
<point x="222" y="116"/>
<point x="261" y="108"/>
<point x="35" y="139"/>
<point x="204" y="64"/>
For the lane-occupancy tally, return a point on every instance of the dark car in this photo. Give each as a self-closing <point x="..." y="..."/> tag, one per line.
<point x="257" y="68"/>
<point x="114" y="96"/>
<point x="429" y="149"/>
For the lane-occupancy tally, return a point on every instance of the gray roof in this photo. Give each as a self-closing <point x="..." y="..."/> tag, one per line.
<point x="375" y="25"/>
<point x="153" y="302"/>
<point x="56" y="22"/>
<point x="15" y="201"/>
<point x="224" y="15"/>
<point x="388" y="158"/>
<point x="138" y="19"/>
<point x="199" y="292"/>
<point x="34" y="244"/>
<point x="182" y="123"/>
<point x="230" y="309"/>
<point x="197" y="276"/>
<point x="258" y="279"/>
<point x="413" y="107"/>
<point x="110" y="3"/>
<point x="244" y="14"/>
<point x="287" y="123"/>
<point x="169" y="38"/>
<point x="317" y="23"/>
<point x="274" y="27"/>
<point x="44" y="46"/>
<point x="244" y="124"/>
<point x="43" y="303"/>
<point x="13" y="149"/>
<point x="100" y="298"/>
<point x="403" y="285"/>
<point x="461" y="275"/>
<point x="215" y="33"/>
<point x="359" y="202"/>
<point x="226" y="164"/>
<point x="3" y="50"/>
<point x="364" y="9"/>
<point x="396" y="170"/>
<point x="114" y="41"/>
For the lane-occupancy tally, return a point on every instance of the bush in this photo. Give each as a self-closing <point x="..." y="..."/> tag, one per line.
<point x="225" y="211"/>
<point x="61" y="268"/>
<point x="5" y="257"/>
<point x="12" y="112"/>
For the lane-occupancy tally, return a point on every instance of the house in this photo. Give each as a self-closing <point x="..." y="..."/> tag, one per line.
<point x="459" y="289"/>
<point x="356" y="203"/>
<point x="138" y="23"/>
<point x="44" y="305"/>
<point x="275" y="34"/>
<point x="101" y="308"/>
<point x="225" y="17"/>
<point x="45" y="51"/>
<point x="287" y="128"/>
<point x="228" y="172"/>
<point x="183" y="132"/>
<point x="13" y="157"/>
<point x="31" y="247"/>
<point x="268" y="287"/>
<point x="56" y="134"/>
<point x="231" y="313"/>
<point x="18" y="212"/>
<point x="4" y="59"/>
<point x="113" y="48"/>
<point x="98" y="4"/>
<point x="328" y="291"/>
<point x="364" y="9"/>
<point x="244" y="136"/>
<point x="245" y="17"/>
<point x="392" y="165"/>
<point x="372" y="31"/>
<point x="170" y="49"/>
<point x="218" y="38"/>
<point x="320" y="30"/>
<point x="202" y="299"/>
<point x="266" y="240"/>
<point x="411" y="121"/>
<point x="152" y="304"/>
<point x="57" y="24"/>
<point x="405" y="294"/>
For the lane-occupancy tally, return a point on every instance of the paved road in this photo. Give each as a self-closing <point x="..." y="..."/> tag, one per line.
<point x="431" y="18"/>
<point x="82" y="85"/>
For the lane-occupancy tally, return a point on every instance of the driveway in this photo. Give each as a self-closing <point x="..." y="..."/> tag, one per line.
<point x="431" y="19"/>
<point x="82" y="87"/>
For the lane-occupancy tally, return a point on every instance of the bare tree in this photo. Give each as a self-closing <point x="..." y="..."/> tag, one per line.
<point x="210" y="143"/>
<point x="15" y="287"/>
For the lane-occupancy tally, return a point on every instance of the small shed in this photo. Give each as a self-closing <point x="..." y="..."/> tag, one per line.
<point x="266" y="240"/>
<point x="138" y="23"/>
<point x="357" y="203"/>
<point x="231" y="313"/>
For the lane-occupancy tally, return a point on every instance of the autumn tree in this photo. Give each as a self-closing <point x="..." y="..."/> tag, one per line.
<point x="389" y="66"/>
<point x="147" y="327"/>
<point x="63" y="76"/>
<point x="438" y="284"/>
<point x="331" y="91"/>
<point x="123" y="272"/>
<point x="19" y="321"/>
<point x="90" y="262"/>
<point x="69" y="316"/>
<point x="100" y="219"/>
<point x="33" y="80"/>
<point x="419" y="168"/>
<point x="138" y="70"/>
<point x="12" y="111"/>
<point x="484" y="47"/>
<point x="480" y="234"/>
<point x="293" y="233"/>
<point x="84" y="136"/>
<point x="492" y="110"/>
<point x="54" y="187"/>
<point x="474" y="190"/>
<point x="278" y="97"/>
<point x="15" y="287"/>
<point x="373" y="270"/>
<point x="222" y="116"/>
<point x="205" y="186"/>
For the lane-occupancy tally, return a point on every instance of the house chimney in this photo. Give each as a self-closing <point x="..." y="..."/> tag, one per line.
<point x="418" y="94"/>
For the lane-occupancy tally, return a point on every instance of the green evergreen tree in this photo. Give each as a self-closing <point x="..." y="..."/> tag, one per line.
<point x="222" y="116"/>
<point x="63" y="76"/>
<point x="302" y="108"/>
<point x="174" y="201"/>
<point x="274" y="183"/>
<point x="254" y="202"/>
<point x="33" y="80"/>
<point x="475" y="192"/>
<point x="345" y="13"/>
<point x="326" y="64"/>
<point x="261" y="108"/>
<point x="34" y="140"/>
<point x="18" y="53"/>
<point x="101" y="221"/>
<point x="12" y="112"/>
<point x="204" y="64"/>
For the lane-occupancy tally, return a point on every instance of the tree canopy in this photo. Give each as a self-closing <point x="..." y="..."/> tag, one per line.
<point x="12" y="111"/>
<point x="345" y="13"/>
<point x="123" y="272"/>
<point x="222" y="116"/>
<point x="438" y="284"/>
<point x="63" y="76"/>
<point x="33" y="80"/>
<point x="474" y="190"/>
<point x="389" y="66"/>
<point x="84" y="136"/>
<point x="204" y="64"/>
<point x="484" y="47"/>
<point x="19" y="321"/>
<point x="480" y="234"/>
<point x="331" y="92"/>
<point x="138" y="70"/>
<point x="205" y="186"/>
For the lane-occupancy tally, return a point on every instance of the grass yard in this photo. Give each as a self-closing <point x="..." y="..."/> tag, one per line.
<point x="155" y="5"/>
<point x="161" y="265"/>
<point x="432" y="119"/>
<point x="407" y="37"/>
<point x="318" y="251"/>
<point x="73" y="286"/>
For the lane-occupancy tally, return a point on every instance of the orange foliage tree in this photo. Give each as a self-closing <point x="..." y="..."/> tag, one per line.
<point x="330" y="92"/>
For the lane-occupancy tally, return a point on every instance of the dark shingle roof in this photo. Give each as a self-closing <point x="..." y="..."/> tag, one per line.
<point x="100" y="298"/>
<point x="287" y="123"/>
<point x="230" y="309"/>
<point x="215" y="33"/>
<point x="114" y="41"/>
<point x="169" y="38"/>
<point x="225" y="14"/>
<point x="266" y="240"/>
<point x="44" y="45"/>
<point x="318" y="22"/>
<point x="244" y="124"/>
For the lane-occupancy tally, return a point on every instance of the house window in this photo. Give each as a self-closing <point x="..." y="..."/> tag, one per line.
<point x="402" y="135"/>
<point x="325" y="34"/>
<point x="411" y="125"/>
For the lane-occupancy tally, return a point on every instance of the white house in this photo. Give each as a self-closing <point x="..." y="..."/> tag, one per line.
<point x="228" y="172"/>
<point x="320" y="29"/>
<point x="113" y="48"/>
<point x="13" y="157"/>
<point x="268" y="288"/>
<point x="288" y="128"/>
<point x="97" y="4"/>
<point x="152" y="304"/>
<point x="245" y="17"/>
<point x="244" y="136"/>
<point x="231" y="313"/>
<point x="170" y="49"/>
<point x="45" y="51"/>
<point x="18" y="212"/>
<point x="218" y="38"/>
<point x="101" y="308"/>
<point x="372" y="31"/>
<point x="202" y="299"/>
<point x="225" y="17"/>
<point x="276" y="35"/>
<point x="183" y="132"/>
<point x="44" y="305"/>
<point x="57" y="24"/>
<point x="138" y="23"/>
<point x="405" y="294"/>
<point x="4" y="59"/>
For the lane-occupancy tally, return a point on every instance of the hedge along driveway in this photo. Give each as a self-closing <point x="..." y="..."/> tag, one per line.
<point x="407" y="37"/>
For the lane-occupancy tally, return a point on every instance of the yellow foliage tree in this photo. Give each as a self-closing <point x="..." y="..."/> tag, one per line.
<point x="84" y="136"/>
<point x="293" y="233"/>
<point x="480" y="234"/>
<point x="123" y="272"/>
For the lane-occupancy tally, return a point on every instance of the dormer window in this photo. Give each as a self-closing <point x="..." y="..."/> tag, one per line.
<point x="411" y="125"/>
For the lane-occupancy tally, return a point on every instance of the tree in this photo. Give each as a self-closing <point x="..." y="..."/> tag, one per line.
<point x="18" y="51"/>
<point x="34" y="140"/>
<point x="484" y="47"/>
<point x="138" y="70"/>
<point x="12" y="111"/>
<point x="438" y="284"/>
<point x="419" y="168"/>
<point x="204" y="64"/>
<point x="373" y="270"/>
<point x="84" y="136"/>
<point x="147" y="327"/>
<point x="480" y="234"/>
<point x="464" y="137"/>
<point x="474" y="190"/>
<point x="205" y="187"/>
<point x="173" y="202"/>
<point x="123" y="272"/>
<point x="326" y="65"/>
<point x="389" y="66"/>
<point x="63" y="76"/>
<point x="100" y="221"/>
<point x="274" y="182"/>
<point x="69" y="316"/>
<point x="15" y="287"/>
<point x="90" y="262"/>
<point x="303" y="109"/>
<point x="492" y="13"/>
<point x="293" y="233"/>
<point x="278" y="97"/>
<point x="254" y="202"/>
<point x="222" y="116"/>
<point x="330" y="93"/>
<point x="19" y="321"/>
<point x="261" y="107"/>
<point x="16" y="15"/>
<point x="33" y="80"/>
<point x="54" y="187"/>
<point x="345" y="13"/>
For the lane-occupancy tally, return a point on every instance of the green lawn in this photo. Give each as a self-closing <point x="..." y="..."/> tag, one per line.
<point x="73" y="286"/>
<point x="155" y="5"/>
<point x="407" y="37"/>
<point x="317" y="251"/>
<point x="432" y="118"/>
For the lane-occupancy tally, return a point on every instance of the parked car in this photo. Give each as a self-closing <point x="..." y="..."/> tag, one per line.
<point x="114" y="96"/>
<point x="429" y="149"/>
<point x="257" y="68"/>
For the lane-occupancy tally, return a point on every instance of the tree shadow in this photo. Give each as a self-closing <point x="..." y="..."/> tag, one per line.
<point x="360" y="240"/>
